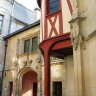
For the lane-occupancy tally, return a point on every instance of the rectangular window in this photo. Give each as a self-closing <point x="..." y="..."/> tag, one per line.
<point x="1" y="23"/>
<point x="31" y="44"/>
<point x="34" y="44"/>
<point x="53" y="6"/>
<point x="57" y="88"/>
<point x="26" y="46"/>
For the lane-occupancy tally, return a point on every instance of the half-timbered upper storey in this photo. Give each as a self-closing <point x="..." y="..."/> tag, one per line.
<point x="55" y="17"/>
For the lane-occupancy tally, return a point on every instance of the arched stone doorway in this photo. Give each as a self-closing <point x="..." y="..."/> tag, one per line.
<point x="26" y="82"/>
<point x="29" y="84"/>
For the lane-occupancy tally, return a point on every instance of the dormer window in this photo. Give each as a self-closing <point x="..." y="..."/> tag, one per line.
<point x="53" y="6"/>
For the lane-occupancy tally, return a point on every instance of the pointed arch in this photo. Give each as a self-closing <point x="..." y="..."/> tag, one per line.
<point x="24" y="75"/>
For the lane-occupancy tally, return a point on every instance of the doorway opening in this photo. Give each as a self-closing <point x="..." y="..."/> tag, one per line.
<point x="57" y="88"/>
<point x="29" y="84"/>
<point x="10" y="88"/>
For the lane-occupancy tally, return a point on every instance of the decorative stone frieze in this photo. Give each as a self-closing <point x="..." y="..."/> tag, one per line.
<point x="76" y="36"/>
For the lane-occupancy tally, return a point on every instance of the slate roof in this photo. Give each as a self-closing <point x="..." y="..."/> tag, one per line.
<point x="22" y="13"/>
<point x="23" y="29"/>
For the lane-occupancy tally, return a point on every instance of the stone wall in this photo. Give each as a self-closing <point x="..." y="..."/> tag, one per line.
<point x="83" y="38"/>
<point x="63" y="71"/>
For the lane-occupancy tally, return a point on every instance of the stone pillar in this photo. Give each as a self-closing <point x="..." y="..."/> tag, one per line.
<point x="77" y="40"/>
<point x="77" y="53"/>
<point x="78" y="71"/>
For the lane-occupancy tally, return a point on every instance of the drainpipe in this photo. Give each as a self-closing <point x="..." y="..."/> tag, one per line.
<point x="10" y="22"/>
<point x="40" y="75"/>
<point x="3" y="68"/>
<point x="11" y="16"/>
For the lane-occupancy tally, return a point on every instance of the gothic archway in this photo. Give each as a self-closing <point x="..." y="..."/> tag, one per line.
<point x="29" y="84"/>
<point x="26" y="82"/>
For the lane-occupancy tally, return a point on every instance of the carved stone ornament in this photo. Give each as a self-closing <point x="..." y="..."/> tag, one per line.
<point x="38" y="59"/>
<point x="15" y="63"/>
<point x="30" y="61"/>
<point x="25" y="63"/>
<point x="75" y="26"/>
<point x="76" y="41"/>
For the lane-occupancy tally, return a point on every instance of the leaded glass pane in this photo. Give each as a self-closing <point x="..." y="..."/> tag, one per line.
<point x="26" y="46"/>
<point x="53" y="6"/>
<point x="34" y="44"/>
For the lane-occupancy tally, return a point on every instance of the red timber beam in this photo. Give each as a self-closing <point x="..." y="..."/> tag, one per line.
<point x="70" y="6"/>
<point x="47" y="47"/>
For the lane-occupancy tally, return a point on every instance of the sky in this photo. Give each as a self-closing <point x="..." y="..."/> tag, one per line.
<point x="30" y="4"/>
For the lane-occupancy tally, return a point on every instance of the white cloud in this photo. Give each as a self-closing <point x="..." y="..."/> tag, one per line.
<point x="30" y="4"/>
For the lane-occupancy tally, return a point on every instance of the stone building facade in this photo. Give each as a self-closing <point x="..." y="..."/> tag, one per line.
<point x="74" y="75"/>
<point x="83" y="38"/>
<point x="4" y="27"/>
<point x="13" y="16"/>
<point x="22" y="73"/>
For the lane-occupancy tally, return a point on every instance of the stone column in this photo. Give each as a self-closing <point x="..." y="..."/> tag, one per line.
<point x="77" y="53"/>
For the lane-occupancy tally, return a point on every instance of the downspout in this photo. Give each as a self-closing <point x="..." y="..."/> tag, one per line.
<point x="11" y="16"/>
<point x="3" y="68"/>
<point x="10" y="22"/>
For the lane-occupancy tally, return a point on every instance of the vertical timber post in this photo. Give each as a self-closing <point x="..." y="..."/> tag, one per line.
<point x="46" y="73"/>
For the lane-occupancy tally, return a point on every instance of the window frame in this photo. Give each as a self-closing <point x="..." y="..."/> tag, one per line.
<point x="25" y="50"/>
<point x="32" y="43"/>
<point x="30" y="46"/>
